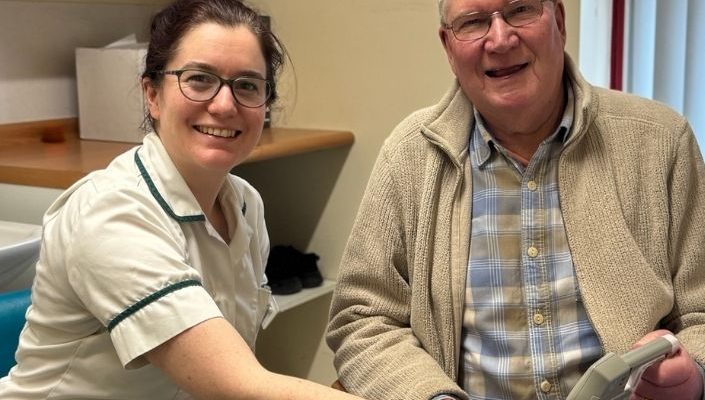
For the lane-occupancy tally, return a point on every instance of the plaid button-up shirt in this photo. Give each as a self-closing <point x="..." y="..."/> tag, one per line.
<point x="526" y="334"/>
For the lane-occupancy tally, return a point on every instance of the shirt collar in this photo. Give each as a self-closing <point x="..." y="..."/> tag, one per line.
<point x="483" y="142"/>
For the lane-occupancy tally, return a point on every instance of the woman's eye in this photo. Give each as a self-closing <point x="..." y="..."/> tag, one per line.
<point x="246" y="85"/>
<point x="200" y="78"/>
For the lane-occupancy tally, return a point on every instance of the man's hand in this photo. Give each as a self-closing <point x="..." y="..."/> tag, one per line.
<point x="675" y="377"/>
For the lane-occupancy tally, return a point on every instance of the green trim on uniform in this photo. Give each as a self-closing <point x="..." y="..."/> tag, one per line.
<point x="160" y="199"/>
<point x="150" y="299"/>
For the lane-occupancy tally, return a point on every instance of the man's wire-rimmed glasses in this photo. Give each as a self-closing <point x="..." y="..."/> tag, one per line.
<point x="202" y="86"/>
<point x="475" y="25"/>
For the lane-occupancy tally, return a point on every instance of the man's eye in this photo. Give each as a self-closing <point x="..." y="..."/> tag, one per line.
<point x="520" y="10"/>
<point x="471" y="23"/>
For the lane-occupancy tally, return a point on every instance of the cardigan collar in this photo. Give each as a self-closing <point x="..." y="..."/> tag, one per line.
<point x="451" y="121"/>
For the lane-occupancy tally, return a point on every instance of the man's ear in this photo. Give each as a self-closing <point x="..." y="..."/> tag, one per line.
<point x="446" y="39"/>
<point x="560" y="20"/>
<point x="151" y="96"/>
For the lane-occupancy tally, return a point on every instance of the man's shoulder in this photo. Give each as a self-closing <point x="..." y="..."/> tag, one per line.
<point x="631" y="108"/>
<point x="441" y="118"/>
<point x="410" y="128"/>
<point x="407" y="145"/>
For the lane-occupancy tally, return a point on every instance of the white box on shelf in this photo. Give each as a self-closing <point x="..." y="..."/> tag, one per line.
<point x="110" y="102"/>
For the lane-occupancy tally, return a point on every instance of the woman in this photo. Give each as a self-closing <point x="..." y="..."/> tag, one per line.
<point x="150" y="282"/>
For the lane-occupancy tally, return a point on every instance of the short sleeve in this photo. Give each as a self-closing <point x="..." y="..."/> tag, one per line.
<point x="128" y="264"/>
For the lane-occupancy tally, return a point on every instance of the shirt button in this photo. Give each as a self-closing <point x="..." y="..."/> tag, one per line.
<point x="532" y="251"/>
<point x="531" y="185"/>
<point x="546" y="386"/>
<point x="538" y="319"/>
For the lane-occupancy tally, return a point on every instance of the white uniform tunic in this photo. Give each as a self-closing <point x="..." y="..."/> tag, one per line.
<point x="129" y="261"/>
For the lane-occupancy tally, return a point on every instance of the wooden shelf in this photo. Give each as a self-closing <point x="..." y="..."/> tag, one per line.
<point x="289" y="301"/>
<point x="25" y="159"/>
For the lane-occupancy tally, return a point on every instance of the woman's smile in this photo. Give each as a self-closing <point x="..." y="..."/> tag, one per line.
<point x="219" y="132"/>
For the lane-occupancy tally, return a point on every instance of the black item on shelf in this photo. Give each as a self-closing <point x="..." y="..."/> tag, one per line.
<point x="289" y="270"/>
<point x="289" y="285"/>
<point x="308" y="271"/>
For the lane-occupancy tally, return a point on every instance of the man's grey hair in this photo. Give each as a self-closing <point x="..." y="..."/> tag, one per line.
<point x="441" y="10"/>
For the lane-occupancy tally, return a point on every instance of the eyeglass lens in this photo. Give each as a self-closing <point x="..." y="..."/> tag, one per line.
<point x="475" y="25"/>
<point x="203" y="86"/>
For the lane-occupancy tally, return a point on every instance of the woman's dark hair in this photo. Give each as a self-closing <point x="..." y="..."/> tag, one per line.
<point x="173" y="22"/>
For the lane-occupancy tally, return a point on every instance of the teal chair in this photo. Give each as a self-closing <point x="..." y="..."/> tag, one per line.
<point x="13" y="306"/>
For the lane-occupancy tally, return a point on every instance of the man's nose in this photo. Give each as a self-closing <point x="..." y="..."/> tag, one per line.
<point x="500" y="36"/>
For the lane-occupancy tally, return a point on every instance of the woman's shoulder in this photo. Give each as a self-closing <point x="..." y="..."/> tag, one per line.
<point x="244" y="188"/>
<point x="248" y="196"/>
<point x="116" y="189"/>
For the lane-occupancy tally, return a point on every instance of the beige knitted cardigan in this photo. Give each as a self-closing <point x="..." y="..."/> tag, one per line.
<point x="633" y="200"/>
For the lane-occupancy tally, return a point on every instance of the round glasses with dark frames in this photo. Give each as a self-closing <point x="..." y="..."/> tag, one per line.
<point x="201" y="86"/>
<point x="475" y="25"/>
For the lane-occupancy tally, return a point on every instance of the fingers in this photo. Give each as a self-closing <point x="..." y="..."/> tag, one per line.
<point x="656" y="390"/>
<point x="672" y="371"/>
<point x="651" y="336"/>
<point x="676" y="377"/>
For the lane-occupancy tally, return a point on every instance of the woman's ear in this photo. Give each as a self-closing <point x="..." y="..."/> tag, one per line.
<point x="151" y="96"/>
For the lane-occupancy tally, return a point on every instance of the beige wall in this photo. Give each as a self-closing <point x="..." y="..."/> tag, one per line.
<point x="362" y="67"/>
<point x="572" y="8"/>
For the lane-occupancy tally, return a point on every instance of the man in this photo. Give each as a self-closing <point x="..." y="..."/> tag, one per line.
<point x="525" y="225"/>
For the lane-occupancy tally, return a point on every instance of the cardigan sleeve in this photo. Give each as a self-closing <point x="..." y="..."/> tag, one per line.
<point x="377" y="355"/>
<point x="687" y="252"/>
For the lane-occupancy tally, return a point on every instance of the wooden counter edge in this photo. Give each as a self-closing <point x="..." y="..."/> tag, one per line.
<point x="27" y="150"/>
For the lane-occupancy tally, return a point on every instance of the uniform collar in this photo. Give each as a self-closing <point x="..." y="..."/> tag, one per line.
<point x="164" y="181"/>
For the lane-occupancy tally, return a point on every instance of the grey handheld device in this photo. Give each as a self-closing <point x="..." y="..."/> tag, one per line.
<point x="614" y="377"/>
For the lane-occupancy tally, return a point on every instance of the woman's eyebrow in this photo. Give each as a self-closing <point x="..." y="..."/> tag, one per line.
<point x="209" y="68"/>
<point x="199" y="65"/>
